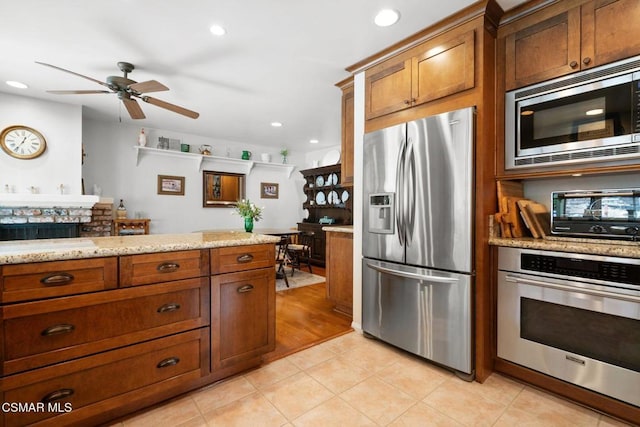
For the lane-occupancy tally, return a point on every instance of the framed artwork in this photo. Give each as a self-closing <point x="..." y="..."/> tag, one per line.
<point x="171" y="185"/>
<point x="268" y="190"/>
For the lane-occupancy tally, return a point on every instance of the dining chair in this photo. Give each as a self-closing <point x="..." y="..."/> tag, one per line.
<point x="300" y="253"/>
<point x="282" y="258"/>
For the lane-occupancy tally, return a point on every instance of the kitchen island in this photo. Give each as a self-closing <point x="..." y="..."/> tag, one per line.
<point x="95" y="328"/>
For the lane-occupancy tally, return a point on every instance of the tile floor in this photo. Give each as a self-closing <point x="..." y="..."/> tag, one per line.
<point x="355" y="381"/>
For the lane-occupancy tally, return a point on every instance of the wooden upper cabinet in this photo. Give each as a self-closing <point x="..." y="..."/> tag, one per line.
<point x="443" y="69"/>
<point x="388" y="88"/>
<point x="610" y="30"/>
<point x="595" y="33"/>
<point x="545" y="50"/>
<point x="434" y="69"/>
<point x="347" y="135"/>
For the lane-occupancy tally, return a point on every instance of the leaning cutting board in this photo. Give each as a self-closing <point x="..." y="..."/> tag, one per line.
<point x="541" y="217"/>
<point x="528" y="218"/>
<point x="514" y="219"/>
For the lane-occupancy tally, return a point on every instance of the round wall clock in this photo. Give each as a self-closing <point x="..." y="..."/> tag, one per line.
<point x="22" y="142"/>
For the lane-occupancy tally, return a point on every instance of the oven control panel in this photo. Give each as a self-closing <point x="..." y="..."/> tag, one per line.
<point x="580" y="267"/>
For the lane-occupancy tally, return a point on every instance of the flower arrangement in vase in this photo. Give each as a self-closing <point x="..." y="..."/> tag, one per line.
<point x="250" y="212"/>
<point x="284" y="153"/>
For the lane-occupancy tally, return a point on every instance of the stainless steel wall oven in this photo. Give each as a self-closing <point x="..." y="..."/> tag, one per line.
<point x="575" y="317"/>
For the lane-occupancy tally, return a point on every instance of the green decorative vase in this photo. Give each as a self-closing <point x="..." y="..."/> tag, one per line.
<point x="248" y="224"/>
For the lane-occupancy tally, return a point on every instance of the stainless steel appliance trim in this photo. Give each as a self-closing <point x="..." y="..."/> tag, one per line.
<point x="617" y="150"/>
<point x="400" y="191"/>
<point x="569" y="288"/>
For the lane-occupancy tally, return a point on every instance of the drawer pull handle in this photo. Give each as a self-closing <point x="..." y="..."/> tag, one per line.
<point x="57" y="279"/>
<point x="245" y="288"/>
<point x="63" y="393"/>
<point x="58" y="330"/>
<point x="171" y="361"/>
<point x="172" y="306"/>
<point x="244" y="258"/>
<point x="168" y="267"/>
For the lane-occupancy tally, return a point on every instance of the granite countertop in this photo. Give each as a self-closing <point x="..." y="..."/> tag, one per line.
<point x="22" y="251"/>
<point x="619" y="248"/>
<point x="339" y="228"/>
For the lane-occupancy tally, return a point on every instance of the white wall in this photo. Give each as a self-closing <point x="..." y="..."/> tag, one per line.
<point x="111" y="164"/>
<point x="61" y="125"/>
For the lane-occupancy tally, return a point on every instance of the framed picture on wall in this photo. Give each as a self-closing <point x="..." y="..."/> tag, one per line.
<point x="268" y="190"/>
<point x="171" y="185"/>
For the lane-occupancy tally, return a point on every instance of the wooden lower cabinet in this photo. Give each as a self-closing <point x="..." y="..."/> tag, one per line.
<point x="339" y="270"/>
<point x="108" y="342"/>
<point x="243" y="321"/>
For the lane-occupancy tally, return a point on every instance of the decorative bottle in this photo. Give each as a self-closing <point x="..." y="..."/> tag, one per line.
<point x="142" y="138"/>
<point x="121" y="212"/>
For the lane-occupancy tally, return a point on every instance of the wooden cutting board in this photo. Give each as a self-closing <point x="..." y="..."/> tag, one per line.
<point x="505" y="217"/>
<point x="514" y="219"/>
<point x="541" y="217"/>
<point x="527" y="216"/>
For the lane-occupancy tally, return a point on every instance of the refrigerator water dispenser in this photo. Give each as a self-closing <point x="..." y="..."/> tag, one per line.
<point x="381" y="213"/>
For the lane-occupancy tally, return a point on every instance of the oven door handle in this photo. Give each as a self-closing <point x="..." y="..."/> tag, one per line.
<point x="594" y="292"/>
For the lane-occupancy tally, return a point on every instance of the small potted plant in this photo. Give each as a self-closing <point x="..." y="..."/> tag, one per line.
<point x="284" y="153"/>
<point x="250" y="212"/>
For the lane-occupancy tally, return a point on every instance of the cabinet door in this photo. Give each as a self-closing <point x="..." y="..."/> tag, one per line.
<point x="347" y="136"/>
<point x="340" y="271"/>
<point x="443" y="69"/>
<point x="387" y="88"/>
<point x="610" y="31"/>
<point x="548" y="49"/>
<point x="243" y="316"/>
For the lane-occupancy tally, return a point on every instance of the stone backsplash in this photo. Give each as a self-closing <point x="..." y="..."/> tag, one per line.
<point x="93" y="222"/>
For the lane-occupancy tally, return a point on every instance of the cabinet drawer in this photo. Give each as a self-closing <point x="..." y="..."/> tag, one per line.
<point x="79" y="383"/>
<point x="163" y="267"/>
<point x="46" y="332"/>
<point x="22" y="282"/>
<point x="239" y="258"/>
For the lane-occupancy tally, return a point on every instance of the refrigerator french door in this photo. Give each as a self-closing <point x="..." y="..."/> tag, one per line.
<point x="417" y="237"/>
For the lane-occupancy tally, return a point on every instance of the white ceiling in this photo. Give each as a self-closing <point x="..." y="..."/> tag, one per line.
<point x="279" y="60"/>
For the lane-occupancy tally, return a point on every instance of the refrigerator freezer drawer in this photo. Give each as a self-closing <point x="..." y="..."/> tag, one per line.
<point x="425" y="312"/>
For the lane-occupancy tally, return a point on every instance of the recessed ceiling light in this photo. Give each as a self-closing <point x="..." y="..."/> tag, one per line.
<point x="313" y="141"/>
<point x="276" y="124"/>
<point x="19" y="85"/>
<point x="217" y="30"/>
<point x="595" y="112"/>
<point x="386" y="17"/>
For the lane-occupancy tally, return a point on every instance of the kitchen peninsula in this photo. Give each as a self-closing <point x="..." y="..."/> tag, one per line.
<point x="94" y="328"/>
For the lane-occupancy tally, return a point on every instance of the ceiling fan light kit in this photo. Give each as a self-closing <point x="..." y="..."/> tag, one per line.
<point x="126" y="90"/>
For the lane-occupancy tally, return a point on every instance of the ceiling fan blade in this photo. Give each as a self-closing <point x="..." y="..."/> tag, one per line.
<point x="133" y="108"/>
<point x="148" y="86"/>
<point x="170" y="107"/>
<point x="77" y="92"/>
<point x="74" y="73"/>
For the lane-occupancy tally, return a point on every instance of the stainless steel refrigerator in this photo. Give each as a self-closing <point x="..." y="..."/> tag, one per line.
<point x="417" y="238"/>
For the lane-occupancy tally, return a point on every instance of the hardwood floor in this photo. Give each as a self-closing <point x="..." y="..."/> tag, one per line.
<point x="305" y="317"/>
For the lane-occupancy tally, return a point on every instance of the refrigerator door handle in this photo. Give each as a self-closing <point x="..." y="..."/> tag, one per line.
<point x="409" y="210"/>
<point x="400" y="225"/>
<point x="408" y="275"/>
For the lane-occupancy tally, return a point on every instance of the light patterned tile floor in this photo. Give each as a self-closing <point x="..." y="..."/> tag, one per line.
<point x="355" y="381"/>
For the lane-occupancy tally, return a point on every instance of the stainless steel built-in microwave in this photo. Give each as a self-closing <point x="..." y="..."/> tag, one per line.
<point x="587" y="117"/>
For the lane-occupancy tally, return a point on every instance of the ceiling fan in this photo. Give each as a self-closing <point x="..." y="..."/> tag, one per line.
<point x="127" y="90"/>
